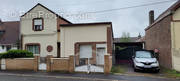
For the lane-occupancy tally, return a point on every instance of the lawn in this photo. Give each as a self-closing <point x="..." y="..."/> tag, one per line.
<point x="118" y="69"/>
<point x="170" y="73"/>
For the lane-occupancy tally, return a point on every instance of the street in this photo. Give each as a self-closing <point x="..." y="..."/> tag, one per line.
<point x="54" y="76"/>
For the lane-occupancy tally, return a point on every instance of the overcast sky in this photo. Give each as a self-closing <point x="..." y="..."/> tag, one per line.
<point x="132" y="20"/>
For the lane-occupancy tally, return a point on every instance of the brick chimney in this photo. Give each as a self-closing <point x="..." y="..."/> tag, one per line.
<point x="151" y="17"/>
<point x="0" y="21"/>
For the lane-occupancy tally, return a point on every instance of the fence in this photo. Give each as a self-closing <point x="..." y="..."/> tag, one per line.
<point x="20" y="64"/>
<point x="53" y="64"/>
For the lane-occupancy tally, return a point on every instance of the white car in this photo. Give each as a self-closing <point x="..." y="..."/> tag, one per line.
<point x="145" y="60"/>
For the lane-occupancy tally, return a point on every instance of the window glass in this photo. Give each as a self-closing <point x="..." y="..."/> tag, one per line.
<point x="8" y="48"/>
<point x="33" y="48"/>
<point x="143" y="54"/>
<point x="38" y="24"/>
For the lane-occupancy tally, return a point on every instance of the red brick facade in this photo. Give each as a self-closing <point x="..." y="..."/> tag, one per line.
<point x="159" y="36"/>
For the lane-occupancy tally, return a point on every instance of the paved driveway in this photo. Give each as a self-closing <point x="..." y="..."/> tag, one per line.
<point x="43" y="76"/>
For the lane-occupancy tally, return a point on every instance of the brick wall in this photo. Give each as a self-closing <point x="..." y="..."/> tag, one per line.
<point x="60" y="64"/>
<point x="107" y="64"/>
<point x="159" y="36"/>
<point x="20" y="64"/>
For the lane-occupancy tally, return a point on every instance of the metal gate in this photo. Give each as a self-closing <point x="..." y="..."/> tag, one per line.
<point x="89" y="60"/>
<point x="42" y="65"/>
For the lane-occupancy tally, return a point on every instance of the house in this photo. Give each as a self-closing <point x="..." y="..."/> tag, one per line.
<point x="40" y="31"/>
<point x="87" y="40"/>
<point x="163" y="34"/>
<point x="9" y="35"/>
<point x="44" y="32"/>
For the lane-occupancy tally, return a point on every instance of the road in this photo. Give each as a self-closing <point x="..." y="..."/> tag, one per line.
<point x="43" y="76"/>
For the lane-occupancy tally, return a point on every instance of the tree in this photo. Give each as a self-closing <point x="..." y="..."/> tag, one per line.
<point x="125" y="37"/>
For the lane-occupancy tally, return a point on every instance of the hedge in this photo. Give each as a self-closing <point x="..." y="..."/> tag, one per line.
<point x="16" y="54"/>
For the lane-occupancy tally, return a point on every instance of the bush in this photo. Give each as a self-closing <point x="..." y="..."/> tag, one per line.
<point x="16" y="54"/>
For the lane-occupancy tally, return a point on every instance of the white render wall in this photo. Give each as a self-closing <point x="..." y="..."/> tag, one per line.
<point x="5" y="48"/>
<point x="86" y="33"/>
<point x="175" y="39"/>
<point x="2" y="50"/>
<point x="46" y="37"/>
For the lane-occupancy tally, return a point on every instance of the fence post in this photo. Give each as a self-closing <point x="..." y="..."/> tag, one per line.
<point x="36" y="63"/>
<point x="48" y="63"/>
<point x="106" y="64"/>
<point x="71" y="64"/>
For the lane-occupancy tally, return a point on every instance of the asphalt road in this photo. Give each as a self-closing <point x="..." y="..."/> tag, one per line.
<point x="43" y="76"/>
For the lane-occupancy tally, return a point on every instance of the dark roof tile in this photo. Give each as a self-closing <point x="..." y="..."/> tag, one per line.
<point x="11" y="33"/>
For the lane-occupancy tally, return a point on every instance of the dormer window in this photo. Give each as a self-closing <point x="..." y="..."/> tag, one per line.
<point x="38" y="24"/>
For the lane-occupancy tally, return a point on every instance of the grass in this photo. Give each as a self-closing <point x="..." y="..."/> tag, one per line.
<point x="118" y="69"/>
<point x="170" y="73"/>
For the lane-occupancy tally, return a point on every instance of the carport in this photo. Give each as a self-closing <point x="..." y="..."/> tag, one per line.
<point x="124" y="51"/>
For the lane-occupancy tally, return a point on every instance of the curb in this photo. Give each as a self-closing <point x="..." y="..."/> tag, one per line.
<point x="152" y="76"/>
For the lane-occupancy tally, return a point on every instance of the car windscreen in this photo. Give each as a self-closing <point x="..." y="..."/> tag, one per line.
<point x="143" y="54"/>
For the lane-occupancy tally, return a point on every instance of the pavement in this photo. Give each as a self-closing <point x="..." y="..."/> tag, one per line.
<point x="56" y="76"/>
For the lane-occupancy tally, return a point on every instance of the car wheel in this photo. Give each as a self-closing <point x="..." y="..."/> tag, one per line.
<point x="135" y="70"/>
<point x="156" y="71"/>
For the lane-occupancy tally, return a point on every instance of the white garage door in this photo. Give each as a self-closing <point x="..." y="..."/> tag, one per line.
<point x="85" y="51"/>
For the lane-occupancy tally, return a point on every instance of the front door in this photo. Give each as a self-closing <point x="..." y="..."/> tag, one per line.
<point x="100" y="56"/>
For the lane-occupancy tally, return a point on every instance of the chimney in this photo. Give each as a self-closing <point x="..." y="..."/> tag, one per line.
<point x="0" y="21"/>
<point x="151" y="17"/>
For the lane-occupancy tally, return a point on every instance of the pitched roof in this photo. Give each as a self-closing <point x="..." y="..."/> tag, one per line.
<point x="11" y="34"/>
<point x="167" y="12"/>
<point x="132" y="39"/>
<point x="77" y="24"/>
<point x="48" y="10"/>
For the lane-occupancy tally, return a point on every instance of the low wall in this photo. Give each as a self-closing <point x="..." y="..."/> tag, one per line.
<point x="60" y="64"/>
<point x="20" y="64"/>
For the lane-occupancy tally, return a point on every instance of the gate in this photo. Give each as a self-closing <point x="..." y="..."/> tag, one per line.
<point x="89" y="60"/>
<point x="42" y="65"/>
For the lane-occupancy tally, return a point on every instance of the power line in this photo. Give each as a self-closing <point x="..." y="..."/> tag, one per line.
<point x="148" y="4"/>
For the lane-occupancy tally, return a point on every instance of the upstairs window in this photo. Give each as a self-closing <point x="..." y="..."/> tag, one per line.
<point x="38" y="24"/>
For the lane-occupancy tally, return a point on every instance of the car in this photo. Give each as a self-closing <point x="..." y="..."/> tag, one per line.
<point x="145" y="60"/>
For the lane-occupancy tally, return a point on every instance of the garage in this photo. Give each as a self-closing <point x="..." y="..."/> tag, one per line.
<point x="91" y="58"/>
<point x="124" y="50"/>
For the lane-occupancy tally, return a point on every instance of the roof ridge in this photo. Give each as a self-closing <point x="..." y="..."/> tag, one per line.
<point x="167" y="12"/>
<point x="48" y="10"/>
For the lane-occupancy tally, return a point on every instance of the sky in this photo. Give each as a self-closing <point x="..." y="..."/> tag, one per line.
<point x="131" y="20"/>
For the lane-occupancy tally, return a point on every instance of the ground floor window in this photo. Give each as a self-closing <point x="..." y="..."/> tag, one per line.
<point x="34" y="48"/>
<point x="8" y="48"/>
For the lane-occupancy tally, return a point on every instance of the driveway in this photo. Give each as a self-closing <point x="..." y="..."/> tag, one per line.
<point x="43" y="76"/>
<point x="130" y="71"/>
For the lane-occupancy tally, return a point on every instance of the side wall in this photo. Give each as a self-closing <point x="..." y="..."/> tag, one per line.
<point x="175" y="27"/>
<point x="159" y="37"/>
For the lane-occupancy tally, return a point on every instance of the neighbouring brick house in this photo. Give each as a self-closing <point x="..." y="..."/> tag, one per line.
<point x="44" y="33"/>
<point x="163" y="34"/>
<point x="9" y="35"/>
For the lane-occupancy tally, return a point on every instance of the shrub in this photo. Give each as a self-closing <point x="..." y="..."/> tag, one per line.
<point x="16" y="54"/>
